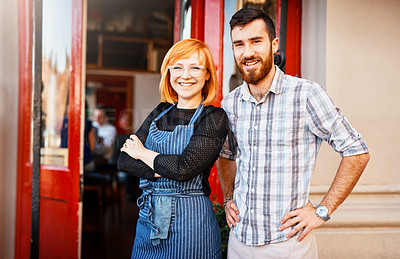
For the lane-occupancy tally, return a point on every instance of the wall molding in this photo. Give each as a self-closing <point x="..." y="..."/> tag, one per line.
<point x="360" y="189"/>
<point x="368" y="206"/>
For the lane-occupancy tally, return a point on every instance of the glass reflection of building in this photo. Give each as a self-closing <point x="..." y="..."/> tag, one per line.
<point x="55" y="79"/>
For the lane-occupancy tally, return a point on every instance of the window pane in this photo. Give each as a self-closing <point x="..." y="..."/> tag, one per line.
<point x="186" y="11"/>
<point x="55" y="78"/>
<point x="268" y="6"/>
<point x="129" y="35"/>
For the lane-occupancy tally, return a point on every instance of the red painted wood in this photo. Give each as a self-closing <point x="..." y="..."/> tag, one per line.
<point x="213" y="37"/>
<point x="293" y="38"/>
<point x="72" y="235"/>
<point x="177" y="21"/>
<point x="278" y="18"/>
<point x="197" y="26"/>
<point x="24" y="200"/>
<point x="207" y="22"/>
<point x="59" y="214"/>
<point x="51" y="180"/>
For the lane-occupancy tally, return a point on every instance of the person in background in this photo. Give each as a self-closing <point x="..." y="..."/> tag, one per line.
<point x="88" y="146"/>
<point x="173" y="152"/>
<point x="105" y="136"/>
<point x="277" y="125"/>
<point x="88" y="141"/>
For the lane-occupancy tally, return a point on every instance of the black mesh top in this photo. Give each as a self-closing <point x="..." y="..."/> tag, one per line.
<point x="198" y="157"/>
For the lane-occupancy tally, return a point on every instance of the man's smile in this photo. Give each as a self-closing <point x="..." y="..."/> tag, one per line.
<point x="250" y="64"/>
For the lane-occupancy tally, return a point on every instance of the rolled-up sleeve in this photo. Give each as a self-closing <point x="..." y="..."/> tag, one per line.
<point x="326" y="121"/>
<point x="229" y="148"/>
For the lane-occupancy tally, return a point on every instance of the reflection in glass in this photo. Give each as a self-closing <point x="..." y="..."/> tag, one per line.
<point x="55" y="79"/>
<point x="186" y="17"/>
<point x="268" y="6"/>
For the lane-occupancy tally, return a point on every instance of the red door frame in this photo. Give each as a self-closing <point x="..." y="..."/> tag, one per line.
<point x="293" y="38"/>
<point x="58" y="184"/>
<point x="208" y="25"/>
<point x="208" y="22"/>
<point x="24" y="181"/>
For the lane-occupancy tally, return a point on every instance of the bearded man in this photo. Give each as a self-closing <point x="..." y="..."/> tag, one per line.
<point x="278" y="123"/>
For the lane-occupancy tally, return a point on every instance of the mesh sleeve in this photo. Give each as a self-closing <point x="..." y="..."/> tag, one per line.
<point x="137" y="167"/>
<point x="201" y="151"/>
<point x="134" y="167"/>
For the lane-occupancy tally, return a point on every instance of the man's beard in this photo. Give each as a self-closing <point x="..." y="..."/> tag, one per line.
<point x="254" y="77"/>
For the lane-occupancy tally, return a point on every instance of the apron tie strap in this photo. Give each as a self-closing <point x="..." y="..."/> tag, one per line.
<point x="159" y="203"/>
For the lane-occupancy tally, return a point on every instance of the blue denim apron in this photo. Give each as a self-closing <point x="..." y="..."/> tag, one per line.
<point x="176" y="219"/>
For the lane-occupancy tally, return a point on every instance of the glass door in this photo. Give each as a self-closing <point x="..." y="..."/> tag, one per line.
<point x="61" y="141"/>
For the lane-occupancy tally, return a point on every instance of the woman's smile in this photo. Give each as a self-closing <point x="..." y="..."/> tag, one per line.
<point x="188" y="87"/>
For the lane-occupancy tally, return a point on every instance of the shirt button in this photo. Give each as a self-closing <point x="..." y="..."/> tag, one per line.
<point x="252" y="211"/>
<point x="254" y="168"/>
<point x="255" y="127"/>
<point x="257" y="107"/>
<point x="254" y="148"/>
<point x="252" y="189"/>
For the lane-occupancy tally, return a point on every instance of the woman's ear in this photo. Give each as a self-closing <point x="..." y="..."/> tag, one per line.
<point x="208" y="75"/>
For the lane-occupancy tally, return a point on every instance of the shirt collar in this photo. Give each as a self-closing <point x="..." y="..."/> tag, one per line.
<point x="276" y="86"/>
<point x="277" y="82"/>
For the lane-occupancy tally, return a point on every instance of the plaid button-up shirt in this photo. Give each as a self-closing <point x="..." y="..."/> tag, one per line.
<point x="275" y="143"/>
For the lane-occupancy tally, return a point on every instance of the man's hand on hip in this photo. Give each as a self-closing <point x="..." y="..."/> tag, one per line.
<point x="304" y="218"/>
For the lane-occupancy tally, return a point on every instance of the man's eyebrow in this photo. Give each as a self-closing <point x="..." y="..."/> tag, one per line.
<point x="237" y="41"/>
<point x="251" y="39"/>
<point x="256" y="38"/>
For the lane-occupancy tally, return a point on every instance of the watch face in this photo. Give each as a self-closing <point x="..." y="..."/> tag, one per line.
<point x="322" y="210"/>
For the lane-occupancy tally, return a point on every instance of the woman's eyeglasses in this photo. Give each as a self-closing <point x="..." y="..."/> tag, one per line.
<point x="178" y="70"/>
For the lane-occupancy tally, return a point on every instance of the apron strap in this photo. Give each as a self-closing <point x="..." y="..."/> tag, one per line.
<point x="196" y="114"/>
<point x="164" y="112"/>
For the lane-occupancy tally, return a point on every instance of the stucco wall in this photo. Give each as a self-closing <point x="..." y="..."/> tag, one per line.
<point x="363" y="60"/>
<point x="362" y="64"/>
<point x="8" y="123"/>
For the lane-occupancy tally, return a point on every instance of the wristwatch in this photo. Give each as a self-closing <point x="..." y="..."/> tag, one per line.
<point x="322" y="212"/>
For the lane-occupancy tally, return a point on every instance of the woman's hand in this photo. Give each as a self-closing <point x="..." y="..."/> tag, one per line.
<point x="133" y="147"/>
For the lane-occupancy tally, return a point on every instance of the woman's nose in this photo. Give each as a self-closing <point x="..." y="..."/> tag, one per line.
<point x="186" y="73"/>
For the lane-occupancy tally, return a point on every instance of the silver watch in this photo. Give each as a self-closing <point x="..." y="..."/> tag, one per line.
<point x="322" y="212"/>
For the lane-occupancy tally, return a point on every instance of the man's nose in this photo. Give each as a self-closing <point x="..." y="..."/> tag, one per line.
<point x="248" y="51"/>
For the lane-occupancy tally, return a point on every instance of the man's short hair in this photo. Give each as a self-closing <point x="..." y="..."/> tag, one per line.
<point x="247" y="15"/>
<point x="107" y="111"/>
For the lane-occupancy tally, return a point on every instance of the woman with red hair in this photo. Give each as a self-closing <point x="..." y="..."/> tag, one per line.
<point x="173" y="152"/>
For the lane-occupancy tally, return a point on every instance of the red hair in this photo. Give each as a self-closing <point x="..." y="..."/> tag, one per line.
<point x="181" y="50"/>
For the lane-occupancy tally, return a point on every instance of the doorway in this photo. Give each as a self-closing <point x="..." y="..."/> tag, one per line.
<point x="126" y="42"/>
<point x="109" y="212"/>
